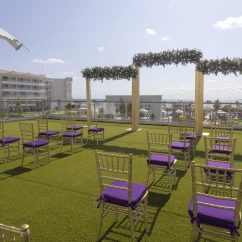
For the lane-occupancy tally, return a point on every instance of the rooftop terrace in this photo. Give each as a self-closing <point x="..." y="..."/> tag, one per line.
<point x="58" y="199"/>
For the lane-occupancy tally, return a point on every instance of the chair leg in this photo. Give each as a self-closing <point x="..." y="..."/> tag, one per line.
<point x="193" y="233"/>
<point x="174" y="175"/>
<point x="101" y="221"/>
<point x="62" y="140"/>
<point x="18" y="148"/>
<point x="146" y="213"/>
<point x="148" y="175"/>
<point x="185" y="160"/>
<point x="4" y="152"/>
<point x="72" y="145"/>
<point x="170" y="183"/>
<point x="8" y="151"/>
<point x="131" y="223"/>
<point x="48" y="150"/>
<point x="116" y="216"/>
<point x="96" y="137"/>
<point x="23" y="157"/>
<point x="235" y="237"/>
<point x="35" y="157"/>
<point x="153" y="170"/>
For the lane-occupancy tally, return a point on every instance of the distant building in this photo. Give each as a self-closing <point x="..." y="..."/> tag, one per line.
<point x="152" y="103"/>
<point x="61" y="88"/>
<point x="30" y="89"/>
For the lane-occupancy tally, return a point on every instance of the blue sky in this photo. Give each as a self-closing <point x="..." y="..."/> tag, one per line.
<point x="65" y="36"/>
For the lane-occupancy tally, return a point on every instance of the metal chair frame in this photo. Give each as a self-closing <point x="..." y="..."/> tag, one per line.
<point x="204" y="186"/>
<point x="94" y="134"/>
<point x="23" y="233"/>
<point x="27" y="133"/>
<point x="67" y="127"/>
<point x="176" y="137"/>
<point x="190" y="124"/>
<point x="8" y="147"/>
<point x="159" y="143"/>
<point x="119" y="168"/>
<point x="43" y="126"/>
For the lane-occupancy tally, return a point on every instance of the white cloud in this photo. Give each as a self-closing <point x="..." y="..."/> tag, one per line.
<point x="49" y="61"/>
<point x="66" y="73"/>
<point x="229" y="23"/>
<point x="165" y="38"/>
<point x="150" y="32"/>
<point x="210" y="80"/>
<point x="100" y="49"/>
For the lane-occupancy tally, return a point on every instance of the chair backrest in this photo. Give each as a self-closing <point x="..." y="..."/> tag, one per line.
<point x="220" y="123"/>
<point x="190" y="124"/>
<point x="178" y="132"/>
<point x="114" y="168"/>
<point x="201" y="186"/>
<point x="22" y="232"/>
<point x="42" y="124"/>
<point x="222" y="148"/>
<point x="67" y="123"/>
<point x="2" y="129"/>
<point x="159" y="143"/>
<point x="218" y="131"/>
<point x="27" y="132"/>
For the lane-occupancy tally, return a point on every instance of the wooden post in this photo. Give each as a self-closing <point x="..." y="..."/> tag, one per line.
<point x="88" y="97"/>
<point x="199" y="90"/>
<point x="135" y="101"/>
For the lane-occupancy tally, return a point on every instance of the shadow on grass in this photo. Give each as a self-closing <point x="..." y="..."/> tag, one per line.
<point x="125" y="225"/>
<point x="238" y="157"/>
<point x="156" y="202"/>
<point x="60" y="155"/>
<point x="200" y="154"/>
<point x="14" y="172"/>
<point x="117" y="136"/>
<point x="118" y="149"/>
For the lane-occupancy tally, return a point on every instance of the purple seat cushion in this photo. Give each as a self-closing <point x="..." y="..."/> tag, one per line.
<point x="160" y="159"/>
<point x="220" y="165"/>
<point x="214" y="216"/>
<point x="221" y="149"/>
<point x="120" y="197"/>
<point x="49" y="132"/>
<point x="71" y="134"/>
<point x="180" y="145"/>
<point x="189" y="136"/>
<point x="8" y="140"/>
<point x="95" y="129"/>
<point x="36" y="143"/>
<point x="75" y="128"/>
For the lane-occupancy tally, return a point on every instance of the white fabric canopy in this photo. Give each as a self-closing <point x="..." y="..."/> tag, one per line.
<point x="10" y="39"/>
<point x="221" y="112"/>
<point x="179" y="111"/>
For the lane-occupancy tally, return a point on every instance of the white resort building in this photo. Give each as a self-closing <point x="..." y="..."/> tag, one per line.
<point x="29" y="88"/>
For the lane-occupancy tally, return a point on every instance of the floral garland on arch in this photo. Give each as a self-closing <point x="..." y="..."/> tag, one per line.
<point x="184" y="57"/>
<point x="71" y="105"/>
<point x="114" y="72"/>
<point x="225" y="66"/>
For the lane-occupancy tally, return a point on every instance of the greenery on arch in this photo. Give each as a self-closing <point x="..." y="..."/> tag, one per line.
<point x="225" y="66"/>
<point x="108" y="73"/>
<point x="184" y="57"/>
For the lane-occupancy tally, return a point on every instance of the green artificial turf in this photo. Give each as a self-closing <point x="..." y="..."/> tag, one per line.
<point x="58" y="199"/>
